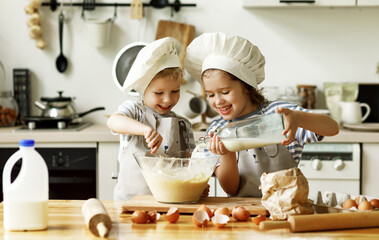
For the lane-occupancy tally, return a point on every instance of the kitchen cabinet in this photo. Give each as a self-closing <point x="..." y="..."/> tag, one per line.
<point x="367" y="3"/>
<point x="299" y="3"/>
<point x="370" y="166"/>
<point x="107" y="168"/>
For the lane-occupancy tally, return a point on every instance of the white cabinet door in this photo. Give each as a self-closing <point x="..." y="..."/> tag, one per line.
<point x="370" y="167"/>
<point x="106" y="168"/>
<point x="362" y="3"/>
<point x="299" y="3"/>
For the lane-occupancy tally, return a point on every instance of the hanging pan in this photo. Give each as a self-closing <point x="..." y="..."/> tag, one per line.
<point x="123" y="62"/>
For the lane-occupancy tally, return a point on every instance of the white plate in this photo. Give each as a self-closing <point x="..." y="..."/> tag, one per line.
<point x="362" y="126"/>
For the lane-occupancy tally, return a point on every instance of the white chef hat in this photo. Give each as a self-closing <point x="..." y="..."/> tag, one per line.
<point x="151" y="59"/>
<point x="232" y="54"/>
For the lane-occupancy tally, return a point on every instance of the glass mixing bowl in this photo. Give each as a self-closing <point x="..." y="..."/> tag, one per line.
<point x="175" y="177"/>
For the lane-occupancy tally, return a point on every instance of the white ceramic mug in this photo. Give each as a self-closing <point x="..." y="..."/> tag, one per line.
<point x="351" y="112"/>
<point x="196" y="106"/>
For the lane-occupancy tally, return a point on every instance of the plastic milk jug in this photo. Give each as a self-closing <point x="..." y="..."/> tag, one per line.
<point x="25" y="199"/>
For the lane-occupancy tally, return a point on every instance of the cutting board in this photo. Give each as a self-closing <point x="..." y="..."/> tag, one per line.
<point x="147" y="203"/>
<point x="184" y="33"/>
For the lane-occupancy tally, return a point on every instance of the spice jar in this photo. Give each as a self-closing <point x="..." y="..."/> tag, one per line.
<point x="8" y="109"/>
<point x="307" y="94"/>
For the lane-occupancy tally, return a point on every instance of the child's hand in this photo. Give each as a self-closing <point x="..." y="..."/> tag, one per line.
<point x="216" y="146"/>
<point x="291" y="125"/>
<point x="205" y="192"/>
<point x="153" y="139"/>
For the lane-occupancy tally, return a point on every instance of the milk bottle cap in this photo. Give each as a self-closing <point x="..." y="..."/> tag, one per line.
<point x="26" y="143"/>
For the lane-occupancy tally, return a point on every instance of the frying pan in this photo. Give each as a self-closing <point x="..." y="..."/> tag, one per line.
<point x="123" y="62"/>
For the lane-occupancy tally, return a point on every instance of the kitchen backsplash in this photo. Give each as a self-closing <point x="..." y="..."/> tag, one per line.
<point x="301" y="46"/>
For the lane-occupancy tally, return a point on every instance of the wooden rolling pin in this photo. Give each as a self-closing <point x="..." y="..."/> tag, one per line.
<point x="96" y="218"/>
<point x="327" y="221"/>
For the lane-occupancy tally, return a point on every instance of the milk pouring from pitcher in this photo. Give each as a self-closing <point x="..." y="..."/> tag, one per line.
<point x="253" y="132"/>
<point x="25" y="199"/>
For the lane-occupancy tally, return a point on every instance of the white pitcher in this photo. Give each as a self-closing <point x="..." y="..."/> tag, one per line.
<point x="351" y="112"/>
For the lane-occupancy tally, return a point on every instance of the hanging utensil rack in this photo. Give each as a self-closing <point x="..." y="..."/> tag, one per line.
<point x="176" y="5"/>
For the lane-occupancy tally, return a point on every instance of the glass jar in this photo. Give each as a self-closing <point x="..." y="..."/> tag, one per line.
<point x="8" y="109"/>
<point x="308" y="95"/>
<point x="258" y="131"/>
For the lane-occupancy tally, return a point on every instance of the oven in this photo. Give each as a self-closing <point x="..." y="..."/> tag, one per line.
<point x="332" y="167"/>
<point x="72" y="168"/>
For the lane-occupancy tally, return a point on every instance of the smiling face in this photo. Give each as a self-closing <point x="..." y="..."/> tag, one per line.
<point x="162" y="94"/>
<point x="227" y="96"/>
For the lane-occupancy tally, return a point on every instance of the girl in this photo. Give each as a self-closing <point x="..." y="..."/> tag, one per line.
<point x="230" y="68"/>
<point x="156" y="75"/>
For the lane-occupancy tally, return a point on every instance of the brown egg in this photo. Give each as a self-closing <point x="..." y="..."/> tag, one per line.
<point x="220" y="220"/>
<point x="200" y="218"/>
<point x="205" y="208"/>
<point x="364" y="205"/>
<point x="153" y="216"/>
<point x="240" y="213"/>
<point x="258" y="219"/>
<point x="223" y="210"/>
<point x="139" y="216"/>
<point x="349" y="203"/>
<point x="375" y="203"/>
<point x="172" y="215"/>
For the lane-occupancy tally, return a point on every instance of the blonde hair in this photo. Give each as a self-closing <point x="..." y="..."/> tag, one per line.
<point x="173" y="73"/>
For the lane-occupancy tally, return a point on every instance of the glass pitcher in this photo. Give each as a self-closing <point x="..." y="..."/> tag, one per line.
<point x="253" y="132"/>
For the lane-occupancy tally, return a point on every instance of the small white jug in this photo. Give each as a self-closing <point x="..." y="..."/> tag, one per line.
<point x="351" y="112"/>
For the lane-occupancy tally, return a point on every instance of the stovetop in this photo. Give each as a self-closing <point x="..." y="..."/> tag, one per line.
<point x="70" y="127"/>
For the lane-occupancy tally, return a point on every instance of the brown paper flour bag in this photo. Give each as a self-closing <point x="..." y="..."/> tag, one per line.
<point x="285" y="193"/>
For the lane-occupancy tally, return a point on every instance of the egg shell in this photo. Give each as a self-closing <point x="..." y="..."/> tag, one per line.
<point x="205" y="208"/>
<point x="153" y="216"/>
<point x="258" y="219"/>
<point x="200" y="218"/>
<point x="220" y="220"/>
<point x="240" y="213"/>
<point x="375" y="203"/>
<point x="360" y="199"/>
<point x="139" y="216"/>
<point x="365" y="205"/>
<point x="349" y="203"/>
<point x="223" y="210"/>
<point x="172" y="215"/>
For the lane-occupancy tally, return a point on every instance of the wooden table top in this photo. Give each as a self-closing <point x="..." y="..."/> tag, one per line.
<point x="66" y="222"/>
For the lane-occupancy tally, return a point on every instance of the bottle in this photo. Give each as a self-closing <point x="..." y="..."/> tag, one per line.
<point x="249" y="133"/>
<point x="8" y="106"/>
<point x="25" y="199"/>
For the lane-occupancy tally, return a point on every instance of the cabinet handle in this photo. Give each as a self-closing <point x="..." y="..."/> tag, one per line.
<point x="114" y="175"/>
<point x="294" y="1"/>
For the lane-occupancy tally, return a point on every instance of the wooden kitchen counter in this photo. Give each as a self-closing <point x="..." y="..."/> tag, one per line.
<point x="66" y="222"/>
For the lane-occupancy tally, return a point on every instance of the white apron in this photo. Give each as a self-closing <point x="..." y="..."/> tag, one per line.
<point x="253" y="162"/>
<point x="177" y="136"/>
